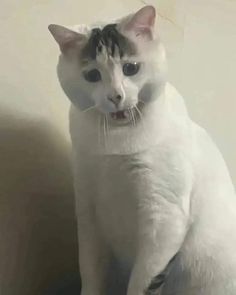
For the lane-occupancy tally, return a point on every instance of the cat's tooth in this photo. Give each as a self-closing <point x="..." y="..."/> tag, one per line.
<point x="126" y="113"/>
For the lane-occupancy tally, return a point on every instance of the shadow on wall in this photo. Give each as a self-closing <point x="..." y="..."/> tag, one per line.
<point x="38" y="239"/>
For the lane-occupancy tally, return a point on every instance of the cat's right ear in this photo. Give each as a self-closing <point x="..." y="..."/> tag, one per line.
<point x="65" y="37"/>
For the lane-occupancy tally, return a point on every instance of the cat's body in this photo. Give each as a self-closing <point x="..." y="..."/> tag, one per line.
<point x="183" y="170"/>
<point x="148" y="192"/>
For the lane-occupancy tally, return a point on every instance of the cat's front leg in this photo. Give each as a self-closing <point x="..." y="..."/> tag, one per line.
<point x="162" y="230"/>
<point x="93" y="252"/>
<point x="93" y="256"/>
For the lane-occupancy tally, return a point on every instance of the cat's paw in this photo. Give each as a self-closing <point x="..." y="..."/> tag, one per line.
<point x="156" y="285"/>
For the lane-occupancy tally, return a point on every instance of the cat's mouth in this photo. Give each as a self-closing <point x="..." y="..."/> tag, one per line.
<point x="120" y="115"/>
<point x="126" y="116"/>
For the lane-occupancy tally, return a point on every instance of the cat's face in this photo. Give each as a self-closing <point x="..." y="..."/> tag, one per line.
<point x="114" y="68"/>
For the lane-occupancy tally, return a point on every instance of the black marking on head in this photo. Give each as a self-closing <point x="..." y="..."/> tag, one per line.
<point x="110" y="38"/>
<point x="158" y="281"/>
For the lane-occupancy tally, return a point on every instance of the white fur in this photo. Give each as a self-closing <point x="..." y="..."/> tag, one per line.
<point x="167" y="191"/>
<point x="149" y="191"/>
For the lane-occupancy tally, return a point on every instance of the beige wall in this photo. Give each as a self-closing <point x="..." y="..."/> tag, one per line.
<point x="37" y="226"/>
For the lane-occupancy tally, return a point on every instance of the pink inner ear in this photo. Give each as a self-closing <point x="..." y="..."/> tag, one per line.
<point x="144" y="18"/>
<point x="65" y="38"/>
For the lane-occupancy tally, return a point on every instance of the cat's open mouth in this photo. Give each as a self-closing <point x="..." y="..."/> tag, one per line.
<point x="120" y="115"/>
<point x="125" y="116"/>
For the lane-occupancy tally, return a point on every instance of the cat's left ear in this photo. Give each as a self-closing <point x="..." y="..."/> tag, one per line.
<point x="65" y="37"/>
<point x="142" y="22"/>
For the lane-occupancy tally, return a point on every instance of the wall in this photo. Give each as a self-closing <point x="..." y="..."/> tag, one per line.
<point x="38" y="249"/>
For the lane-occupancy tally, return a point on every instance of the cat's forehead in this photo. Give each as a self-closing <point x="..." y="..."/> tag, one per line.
<point x="107" y="41"/>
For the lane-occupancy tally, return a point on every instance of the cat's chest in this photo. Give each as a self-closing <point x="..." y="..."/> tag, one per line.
<point x="124" y="183"/>
<point x="119" y="181"/>
<point x="123" y="177"/>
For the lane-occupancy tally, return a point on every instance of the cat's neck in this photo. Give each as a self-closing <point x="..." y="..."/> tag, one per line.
<point x="90" y="132"/>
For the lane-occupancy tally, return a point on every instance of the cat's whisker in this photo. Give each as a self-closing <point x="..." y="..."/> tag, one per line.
<point x="140" y="100"/>
<point x="107" y="125"/>
<point x="88" y="109"/>
<point x="99" y="130"/>
<point x="139" y="112"/>
<point x="105" y="129"/>
<point x="131" y="115"/>
<point x="135" y="116"/>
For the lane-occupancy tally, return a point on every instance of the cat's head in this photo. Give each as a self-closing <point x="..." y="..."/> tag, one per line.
<point x="115" y="67"/>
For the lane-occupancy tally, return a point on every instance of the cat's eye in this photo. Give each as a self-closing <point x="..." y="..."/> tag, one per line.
<point x="93" y="75"/>
<point x="131" y="69"/>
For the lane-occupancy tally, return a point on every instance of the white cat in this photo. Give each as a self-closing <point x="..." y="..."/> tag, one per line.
<point x="154" y="196"/>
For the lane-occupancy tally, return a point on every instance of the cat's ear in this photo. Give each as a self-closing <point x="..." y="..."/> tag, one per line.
<point x="66" y="38"/>
<point x="142" y="22"/>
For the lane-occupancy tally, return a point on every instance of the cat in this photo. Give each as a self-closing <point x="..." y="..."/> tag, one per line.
<point x="152" y="190"/>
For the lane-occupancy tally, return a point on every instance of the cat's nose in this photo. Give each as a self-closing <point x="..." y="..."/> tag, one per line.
<point x="116" y="99"/>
